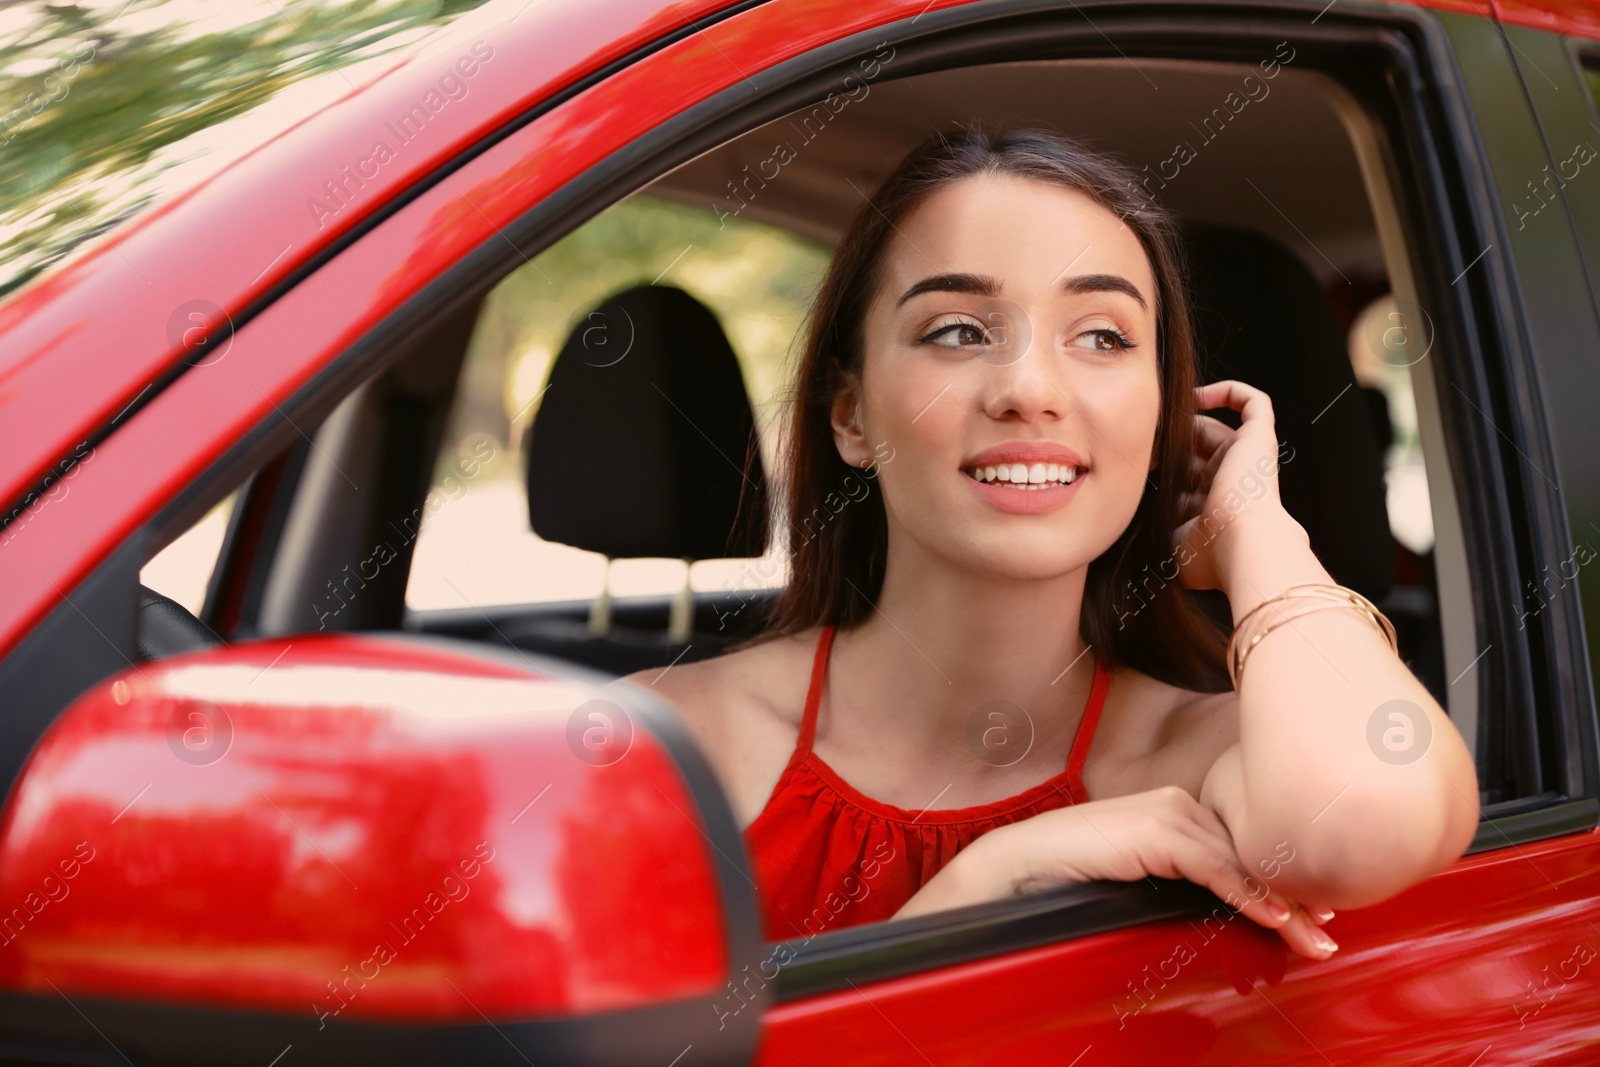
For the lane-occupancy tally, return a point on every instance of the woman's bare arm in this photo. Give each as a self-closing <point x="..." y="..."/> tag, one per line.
<point x="1342" y="752"/>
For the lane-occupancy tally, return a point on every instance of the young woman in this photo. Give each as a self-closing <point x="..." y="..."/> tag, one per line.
<point x="983" y="677"/>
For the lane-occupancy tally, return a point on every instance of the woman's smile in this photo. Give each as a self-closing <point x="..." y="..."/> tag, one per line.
<point x="1026" y="478"/>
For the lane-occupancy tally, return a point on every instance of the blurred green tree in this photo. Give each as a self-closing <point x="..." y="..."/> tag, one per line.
<point x="97" y="102"/>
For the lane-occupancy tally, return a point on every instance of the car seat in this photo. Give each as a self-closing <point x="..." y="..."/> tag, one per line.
<point x="644" y="446"/>
<point x="1261" y="317"/>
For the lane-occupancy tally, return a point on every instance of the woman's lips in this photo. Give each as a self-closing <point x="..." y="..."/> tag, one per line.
<point x="1033" y="498"/>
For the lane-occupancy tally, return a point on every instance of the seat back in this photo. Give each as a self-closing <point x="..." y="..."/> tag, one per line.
<point x="645" y="443"/>
<point x="644" y="446"/>
<point x="1262" y="318"/>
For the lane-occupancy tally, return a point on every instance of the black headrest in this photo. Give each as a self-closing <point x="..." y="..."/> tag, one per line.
<point x="645" y="444"/>
<point x="1262" y="318"/>
<point x="166" y="628"/>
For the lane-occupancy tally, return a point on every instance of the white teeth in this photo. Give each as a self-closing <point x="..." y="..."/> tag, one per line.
<point x="1027" y="476"/>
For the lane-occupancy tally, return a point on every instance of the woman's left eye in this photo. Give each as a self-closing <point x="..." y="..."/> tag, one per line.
<point x="1105" y="340"/>
<point x="957" y="334"/>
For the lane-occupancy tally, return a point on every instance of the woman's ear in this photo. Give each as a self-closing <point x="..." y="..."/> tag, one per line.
<point x="848" y="436"/>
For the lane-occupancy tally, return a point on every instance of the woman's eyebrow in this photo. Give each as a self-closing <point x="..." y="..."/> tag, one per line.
<point x="1104" y="283"/>
<point x="984" y="285"/>
<point x="981" y="284"/>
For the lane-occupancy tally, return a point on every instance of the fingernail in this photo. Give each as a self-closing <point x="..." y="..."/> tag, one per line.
<point x="1277" y="911"/>
<point x="1322" y="914"/>
<point x="1327" y="943"/>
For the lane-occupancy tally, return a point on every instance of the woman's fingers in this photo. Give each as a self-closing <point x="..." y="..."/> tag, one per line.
<point x="1211" y="434"/>
<point x="1168" y="833"/>
<point x="1211" y="443"/>
<point x="1207" y="844"/>
<point x="1202" y="472"/>
<point x="1217" y="870"/>
<point x="1303" y="930"/>
<point x="1251" y="403"/>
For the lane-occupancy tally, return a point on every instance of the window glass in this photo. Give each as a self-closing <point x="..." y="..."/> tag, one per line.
<point x="183" y="569"/>
<point x="1378" y="343"/>
<point x="1591" y="77"/>
<point x="475" y="547"/>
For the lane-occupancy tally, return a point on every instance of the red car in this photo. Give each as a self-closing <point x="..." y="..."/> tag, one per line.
<point x="318" y="818"/>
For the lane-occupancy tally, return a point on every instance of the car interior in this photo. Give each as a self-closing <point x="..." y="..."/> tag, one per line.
<point x="662" y="452"/>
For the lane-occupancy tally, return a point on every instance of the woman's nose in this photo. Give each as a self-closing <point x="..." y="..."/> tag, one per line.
<point x="1018" y="378"/>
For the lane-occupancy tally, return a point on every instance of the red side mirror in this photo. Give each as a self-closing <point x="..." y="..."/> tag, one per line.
<point x="373" y="850"/>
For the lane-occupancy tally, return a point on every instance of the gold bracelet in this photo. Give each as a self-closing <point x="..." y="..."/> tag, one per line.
<point x="1252" y="628"/>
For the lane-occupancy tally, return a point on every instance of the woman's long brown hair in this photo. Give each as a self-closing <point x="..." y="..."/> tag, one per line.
<point x="1133" y="610"/>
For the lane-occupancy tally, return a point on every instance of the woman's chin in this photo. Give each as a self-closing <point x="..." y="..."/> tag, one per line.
<point x="1014" y="563"/>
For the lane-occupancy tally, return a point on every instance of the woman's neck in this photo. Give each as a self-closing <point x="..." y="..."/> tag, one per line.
<point x="943" y="642"/>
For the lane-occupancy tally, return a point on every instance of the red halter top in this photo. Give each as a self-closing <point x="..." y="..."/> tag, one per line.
<point x="827" y="856"/>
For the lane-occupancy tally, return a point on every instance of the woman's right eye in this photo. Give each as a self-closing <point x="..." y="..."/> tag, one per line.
<point x="956" y="335"/>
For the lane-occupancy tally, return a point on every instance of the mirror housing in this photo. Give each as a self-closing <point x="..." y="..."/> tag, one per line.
<point x="373" y="849"/>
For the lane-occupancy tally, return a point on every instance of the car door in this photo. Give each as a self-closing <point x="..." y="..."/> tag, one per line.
<point x="1484" y="959"/>
<point x="1481" y="962"/>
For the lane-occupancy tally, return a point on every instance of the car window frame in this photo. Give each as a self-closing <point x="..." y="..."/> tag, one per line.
<point x="1541" y="404"/>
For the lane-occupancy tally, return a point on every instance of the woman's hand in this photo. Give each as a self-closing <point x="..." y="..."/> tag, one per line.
<point x="1163" y="832"/>
<point x="1234" y="474"/>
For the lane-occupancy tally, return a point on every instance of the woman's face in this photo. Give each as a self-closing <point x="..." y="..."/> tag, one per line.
<point x="1010" y="364"/>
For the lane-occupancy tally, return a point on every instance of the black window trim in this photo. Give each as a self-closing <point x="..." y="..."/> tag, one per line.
<point x="1483" y="309"/>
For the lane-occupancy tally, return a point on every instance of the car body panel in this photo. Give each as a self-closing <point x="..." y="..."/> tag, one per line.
<point x="1412" y="983"/>
<point x="1567" y="114"/>
<point x="1555" y="16"/>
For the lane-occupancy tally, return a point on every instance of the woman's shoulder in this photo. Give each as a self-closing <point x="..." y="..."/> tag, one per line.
<point x="749" y="679"/>
<point x="744" y="708"/>
<point x="1157" y="733"/>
